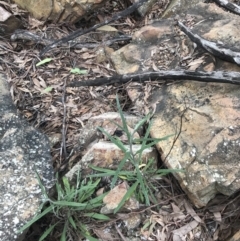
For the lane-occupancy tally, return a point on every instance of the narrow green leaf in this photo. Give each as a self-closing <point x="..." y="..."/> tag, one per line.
<point x="140" y="196"/>
<point x="101" y="175"/>
<point x="125" y="126"/>
<point x="68" y="204"/>
<point x="116" y="174"/>
<point x="44" y="61"/>
<point x="115" y="141"/>
<point x="143" y="145"/>
<point x="47" y="232"/>
<point x="148" y="165"/>
<point x="90" y="238"/>
<point x="66" y="185"/>
<point x="71" y="221"/>
<point x="47" y="90"/>
<point x="88" y="190"/>
<point x="97" y="216"/>
<point x="151" y="188"/>
<point x="149" y="139"/>
<point x="126" y="196"/>
<point x="146" y="225"/>
<point x="78" y="71"/>
<point x="98" y="199"/>
<point x="64" y="233"/>
<point x="86" y="234"/>
<point x="101" y="169"/>
<point x="143" y="187"/>
<point x="123" y="177"/>
<point x="41" y="185"/>
<point x="140" y="123"/>
<point x="27" y="225"/>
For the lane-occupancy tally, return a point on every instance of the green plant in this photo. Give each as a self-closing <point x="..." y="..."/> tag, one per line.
<point x="78" y="71"/>
<point x="142" y="174"/>
<point x="71" y="201"/>
<point x="44" y="61"/>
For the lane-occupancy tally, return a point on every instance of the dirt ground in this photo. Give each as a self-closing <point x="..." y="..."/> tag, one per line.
<point x="41" y="96"/>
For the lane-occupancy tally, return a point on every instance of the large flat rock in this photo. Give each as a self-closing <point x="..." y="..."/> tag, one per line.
<point x="204" y="121"/>
<point x="203" y="117"/>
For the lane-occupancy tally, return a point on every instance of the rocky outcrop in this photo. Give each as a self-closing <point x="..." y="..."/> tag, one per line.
<point x="24" y="153"/>
<point x="203" y="117"/>
<point x="204" y="121"/>
<point x="59" y="11"/>
<point x="8" y="22"/>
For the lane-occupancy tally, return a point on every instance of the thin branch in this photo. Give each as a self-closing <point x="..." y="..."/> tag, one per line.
<point x="26" y="35"/>
<point x="64" y="128"/>
<point x="120" y="233"/>
<point x="172" y="75"/>
<point x="78" y="33"/>
<point x="211" y="47"/>
<point x="234" y="8"/>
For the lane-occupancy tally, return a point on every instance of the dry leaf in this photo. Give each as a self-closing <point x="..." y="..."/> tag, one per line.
<point x="217" y="217"/>
<point x="196" y="63"/>
<point x="177" y="213"/>
<point x="210" y="67"/>
<point x="103" y="234"/>
<point x="181" y="232"/>
<point x="191" y="211"/>
<point x="107" y="28"/>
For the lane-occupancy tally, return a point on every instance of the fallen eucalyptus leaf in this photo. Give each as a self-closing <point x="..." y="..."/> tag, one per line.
<point x="78" y="71"/>
<point x="107" y="28"/>
<point x="44" y="61"/>
<point x="47" y="90"/>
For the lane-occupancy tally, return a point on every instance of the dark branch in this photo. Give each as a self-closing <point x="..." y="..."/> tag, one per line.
<point x="216" y="76"/>
<point x="211" y="47"/>
<point x="78" y="33"/>
<point x="234" y="8"/>
<point x="26" y="35"/>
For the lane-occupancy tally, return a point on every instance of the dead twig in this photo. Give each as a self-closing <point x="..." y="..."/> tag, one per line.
<point x="63" y="150"/>
<point x="26" y="35"/>
<point x="78" y="33"/>
<point x="171" y="75"/>
<point x="120" y="233"/>
<point x="213" y="48"/>
<point x="234" y="8"/>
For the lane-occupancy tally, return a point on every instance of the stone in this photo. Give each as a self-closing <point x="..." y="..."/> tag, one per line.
<point x="8" y="22"/>
<point x="108" y="121"/>
<point x="162" y="46"/>
<point x="178" y="7"/>
<point x="112" y="200"/>
<point x="59" y="11"/>
<point x="153" y="44"/>
<point x="24" y="153"/>
<point x="115" y="196"/>
<point x="104" y="153"/>
<point x="107" y="155"/>
<point x="145" y="8"/>
<point x="203" y="117"/>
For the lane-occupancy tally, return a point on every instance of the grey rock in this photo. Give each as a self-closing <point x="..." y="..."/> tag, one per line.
<point x="24" y="153"/>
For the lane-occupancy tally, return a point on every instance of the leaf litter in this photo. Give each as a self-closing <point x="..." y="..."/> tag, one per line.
<point x="38" y="93"/>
